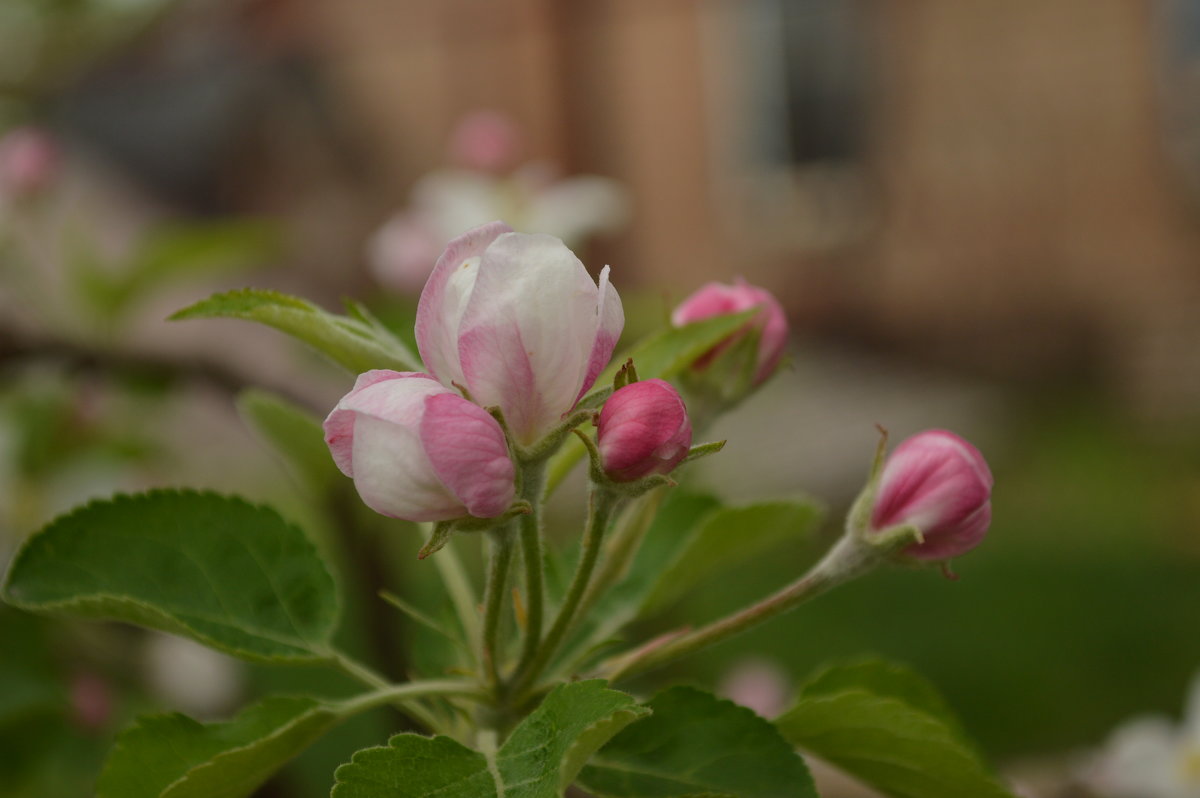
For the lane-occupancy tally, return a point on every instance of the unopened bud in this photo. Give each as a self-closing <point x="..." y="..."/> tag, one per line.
<point x="939" y="484"/>
<point x="719" y="299"/>
<point x="643" y="430"/>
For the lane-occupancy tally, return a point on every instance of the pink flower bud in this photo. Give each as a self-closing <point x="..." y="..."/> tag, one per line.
<point x="644" y="430"/>
<point x="940" y="484"/>
<point x="485" y="140"/>
<point x="517" y="319"/>
<point x="718" y="299"/>
<point x="28" y="159"/>
<point x="419" y="451"/>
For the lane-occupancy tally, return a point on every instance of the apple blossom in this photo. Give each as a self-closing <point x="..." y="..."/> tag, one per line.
<point x="419" y="451"/>
<point x="718" y="299"/>
<point x="644" y="429"/>
<point x="940" y="484"/>
<point x="517" y="321"/>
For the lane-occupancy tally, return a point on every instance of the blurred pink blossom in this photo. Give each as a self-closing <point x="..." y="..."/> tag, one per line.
<point x="488" y="141"/>
<point x="758" y="684"/>
<point x="91" y="701"/>
<point x="532" y="198"/>
<point x="28" y="161"/>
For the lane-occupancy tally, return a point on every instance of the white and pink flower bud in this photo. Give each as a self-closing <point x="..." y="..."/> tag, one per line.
<point x="644" y="429"/>
<point x="28" y="160"/>
<point x="519" y="322"/>
<point x="719" y="299"/>
<point x="417" y="450"/>
<point x="940" y="484"/>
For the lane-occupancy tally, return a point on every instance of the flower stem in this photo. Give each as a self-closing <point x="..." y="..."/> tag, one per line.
<point x="849" y="557"/>
<point x="601" y="507"/>
<point x="623" y="546"/>
<point x="398" y="693"/>
<point x="356" y="670"/>
<point x="501" y="545"/>
<point x="531" y="551"/>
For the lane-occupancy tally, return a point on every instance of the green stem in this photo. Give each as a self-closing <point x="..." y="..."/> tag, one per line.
<point x="356" y="670"/>
<point x="623" y="545"/>
<point x="501" y="544"/>
<point x="531" y="550"/>
<point x="848" y="558"/>
<point x="602" y="504"/>
<point x="399" y="693"/>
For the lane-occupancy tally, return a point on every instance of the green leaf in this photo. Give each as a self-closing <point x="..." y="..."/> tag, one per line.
<point x="294" y="434"/>
<point x="173" y="756"/>
<point x="882" y="678"/>
<point x="662" y="356"/>
<point x="352" y="343"/>
<point x="227" y="573"/>
<point x="697" y="745"/>
<point x="889" y="728"/>
<point x="725" y="538"/>
<point x="539" y="760"/>
<point x="672" y="350"/>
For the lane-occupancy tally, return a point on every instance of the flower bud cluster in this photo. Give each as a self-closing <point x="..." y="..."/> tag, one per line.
<point x="512" y="321"/>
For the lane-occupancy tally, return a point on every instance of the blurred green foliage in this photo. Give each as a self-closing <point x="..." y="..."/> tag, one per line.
<point x="1078" y="612"/>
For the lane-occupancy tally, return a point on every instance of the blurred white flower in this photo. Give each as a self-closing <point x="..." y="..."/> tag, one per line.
<point x="531" y="199"/>
<point x="189" y="677"/>
<point x="758" y="684"/>
<point x="1151" y="757"/>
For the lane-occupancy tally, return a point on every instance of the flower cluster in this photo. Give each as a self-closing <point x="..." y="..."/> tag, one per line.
<point x="513" y="332"/>
<point x="514" y="323"/>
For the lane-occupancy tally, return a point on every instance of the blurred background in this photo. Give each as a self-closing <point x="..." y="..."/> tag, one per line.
<point x="981" y="216"/>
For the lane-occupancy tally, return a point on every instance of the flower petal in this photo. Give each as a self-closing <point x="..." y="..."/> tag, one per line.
<point x="395" y="477"/>
<point x="467" y="450"/>
<point x="611" y="320"/>
<point x="445" y="298"/>
<point x="527" y="335"/>
<point x="339" y="424"/>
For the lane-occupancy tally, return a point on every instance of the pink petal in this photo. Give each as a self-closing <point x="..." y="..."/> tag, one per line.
<point x="528" y="331"/>
<point x="441" y="306"/>
<point x="611" y="318"/>
<point x="467" y="450"/>
<point x="339" y="424"/>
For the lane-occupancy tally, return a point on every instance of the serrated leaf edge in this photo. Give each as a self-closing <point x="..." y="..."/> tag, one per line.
<point x="172" y="625"/>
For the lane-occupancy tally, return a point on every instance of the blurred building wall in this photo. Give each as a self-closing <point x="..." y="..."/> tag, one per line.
<point x="1010" y="200"/>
